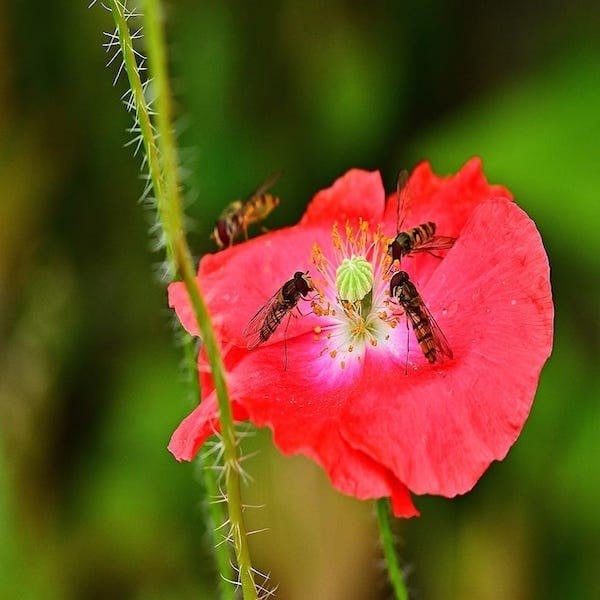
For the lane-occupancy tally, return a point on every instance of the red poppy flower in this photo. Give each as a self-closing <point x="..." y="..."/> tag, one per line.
<point x="347" y="384"/>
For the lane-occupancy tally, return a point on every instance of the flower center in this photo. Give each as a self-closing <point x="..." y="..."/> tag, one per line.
<point x="353" y="298"/>
<point x="354" y="278"/>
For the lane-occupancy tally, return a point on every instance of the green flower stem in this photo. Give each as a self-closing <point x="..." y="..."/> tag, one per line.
<point x="173" y="208"/>
<point x="387" y="543"/>
<point x="214" y="513"/>
<point x="214" y="509"/>
<point x="141" y="109"/>
<point x="165" y="180"/>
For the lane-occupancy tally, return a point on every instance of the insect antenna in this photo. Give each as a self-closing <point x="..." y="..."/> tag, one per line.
<point x="400" y="185"/>
<point x="269" y="182"/>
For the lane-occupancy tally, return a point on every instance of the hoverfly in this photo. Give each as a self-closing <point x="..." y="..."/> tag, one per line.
<point x="421" y="238"/>
<point x="264" y="323"/>
<point x="428" y="333"/>
<point x="239" y="215"/>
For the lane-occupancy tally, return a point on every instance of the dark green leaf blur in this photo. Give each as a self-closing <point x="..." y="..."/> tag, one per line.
<point x="91" y="384"/>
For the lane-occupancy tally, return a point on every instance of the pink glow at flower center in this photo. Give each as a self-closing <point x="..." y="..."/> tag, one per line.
<point x="353" y="295"/>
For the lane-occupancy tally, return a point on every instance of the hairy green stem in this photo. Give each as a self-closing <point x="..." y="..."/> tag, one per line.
<point x="163" y="166"/>
<point x="387" y="543"/>
<point x="142" y="111"/>
<point x="214" y="513"/>
<point x="214" y="509"/>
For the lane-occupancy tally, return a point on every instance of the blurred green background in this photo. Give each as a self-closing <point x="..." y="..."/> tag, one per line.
<point x="91" y="383"/>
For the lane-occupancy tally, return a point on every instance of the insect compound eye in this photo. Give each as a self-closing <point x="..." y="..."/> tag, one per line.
<point x="397" y="281"/>
<point x="303" y="283"/>
<point x="400" y="246"/>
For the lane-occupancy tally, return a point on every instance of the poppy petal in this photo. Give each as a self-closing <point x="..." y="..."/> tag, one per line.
<point x="357" y="194"/>
<point x="445" y="423"/>
<point x="302" y="408"/>
<point x="448" y="201"/>
<point x="237" y="282"/>
<point x="198" y="426"/>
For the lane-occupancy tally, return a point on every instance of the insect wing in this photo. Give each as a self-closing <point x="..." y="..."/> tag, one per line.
<point x="401" y="197"/>
<point x="439" y="339"/>
<point x="269" y="182"/>
<point x="437" y="242"/>
<point x="272" y="310"/>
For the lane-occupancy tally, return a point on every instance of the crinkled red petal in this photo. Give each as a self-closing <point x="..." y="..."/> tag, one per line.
<point x="304" y="417"/>
<point x="357" y="194"/>
<point x="198" y="426"/>
<point x="178" y="299"/>
<point x="230" y="355"/>
<point x="237" y="282"/>
<point x="439" y="427"/>
<point x="447" y="201"/>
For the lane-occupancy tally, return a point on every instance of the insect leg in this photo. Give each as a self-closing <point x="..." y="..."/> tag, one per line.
<point x="407" y="345"/>
<point x="310" y="312"/>
<point x="395" y="264"/>
<point x="285" y="342"/>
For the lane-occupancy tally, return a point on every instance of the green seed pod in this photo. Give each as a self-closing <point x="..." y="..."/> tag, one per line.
<point x="354" y="279"/>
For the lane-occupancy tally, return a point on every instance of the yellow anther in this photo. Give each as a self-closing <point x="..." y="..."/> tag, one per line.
<point x="336" y="238"/>
<point x="317" y="257"/>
